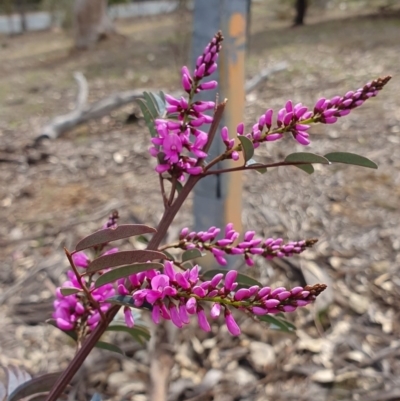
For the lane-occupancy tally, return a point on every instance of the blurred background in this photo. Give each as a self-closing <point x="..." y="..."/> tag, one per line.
<point x="54" y="191"/>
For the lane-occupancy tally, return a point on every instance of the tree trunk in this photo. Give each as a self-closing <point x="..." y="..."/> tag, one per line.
<point x="21" y="10"/>
<point x="91" y="22"/>
<point x="248" y="23"/>
<point x="301" y="9"/>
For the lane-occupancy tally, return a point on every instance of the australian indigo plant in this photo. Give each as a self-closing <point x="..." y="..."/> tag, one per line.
<point x="101" y="283"/>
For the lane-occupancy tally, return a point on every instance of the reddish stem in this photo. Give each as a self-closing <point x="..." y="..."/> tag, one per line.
<point x="83" y="285"/>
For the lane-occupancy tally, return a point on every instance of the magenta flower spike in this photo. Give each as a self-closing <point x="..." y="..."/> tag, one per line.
<point x="268" y="249"/>
<point x="175" y="137"/>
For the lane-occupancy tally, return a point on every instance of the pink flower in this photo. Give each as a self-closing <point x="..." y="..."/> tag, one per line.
<point x="183" y="313"/>
<point x="64" y="324"/>
<point x="155" y="314"/>
<point x="215" y="310"/>
<point x="160" y="289"/>
<point x="175" y="316"/>
<point x="80" y="259"/>
<point x="128" y="317"/>
<point x="229" y="280"/>
<point x="191" y="305"/>
<point x="231" y="324"/>
<point x="172" y="147"/>
<point x="202" y="319"/>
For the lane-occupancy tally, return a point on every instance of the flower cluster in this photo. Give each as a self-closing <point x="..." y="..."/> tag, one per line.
<point x="76" y="310"/>
<point x="296" y="119"/>
<point x="328" y="111"/>
<point x="177" y="295"/>
<point x="173" y="295"/>
<point x="250" y="246"/>
<point x="174" y="136"/>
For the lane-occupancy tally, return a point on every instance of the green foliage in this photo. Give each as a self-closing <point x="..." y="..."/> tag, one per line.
<point x="152" y="107"/>
<point x="247" y="146"/>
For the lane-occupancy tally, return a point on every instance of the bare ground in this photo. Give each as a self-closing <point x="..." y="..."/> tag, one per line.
<point x="53" y="195"/>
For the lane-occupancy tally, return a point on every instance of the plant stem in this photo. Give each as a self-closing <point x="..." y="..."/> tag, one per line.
<point x="162" y="188"/>
<point x="83" y="285"/>
<point x="256" y="167"/>
<point x="172" y="193"/>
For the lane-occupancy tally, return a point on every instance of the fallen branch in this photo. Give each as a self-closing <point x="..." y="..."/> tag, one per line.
<point x="252" y="83"/>
<point x="84" y="112"/>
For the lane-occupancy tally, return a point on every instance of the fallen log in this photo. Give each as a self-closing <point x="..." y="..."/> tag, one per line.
<point x="84" y="112"/>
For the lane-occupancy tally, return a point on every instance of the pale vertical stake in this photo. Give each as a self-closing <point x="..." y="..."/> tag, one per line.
<point x="218" y="199"/>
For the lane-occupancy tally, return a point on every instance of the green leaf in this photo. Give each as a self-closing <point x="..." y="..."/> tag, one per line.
<point x="69" y="333"/>
<point x="278" y="324"/>
<point x="159" y="103"/>
<point x="113" y="234"/>
<point x="151" y="104"/>
<point x="290" y="326"/>
<point x="139" y="333"/>
<point x="281" y="317"/>
<point x="69" y="290"/>
<point x="41" y="384"/>
<point x="243" y="280"/>
<point x="109" y="347"/>
<point x="161" y="158"/>
<point x="247" y="146"/>
<point x="123" y="300"/>
<point x="125" y="271"/>
<point x="143" y="239"/>
<point x="191" y="254"/>
<point x="162" y="96"/>
<point x="123" y="258"/>
<point x="253" y="163"/>
<point x="178" y="185"/>
<point x="308" y="168"/>
<point x="99" y="344"/>
<point x="187" y="265"/>
<point x="350" y="158"/>
<point x="306" y="158"/>
<point x="14" y="378"/>
<point x="147" y="117"/>
<point x="168" y="255"/>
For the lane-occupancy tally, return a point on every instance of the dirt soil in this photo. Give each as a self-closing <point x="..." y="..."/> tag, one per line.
<point x="347" y="346"/>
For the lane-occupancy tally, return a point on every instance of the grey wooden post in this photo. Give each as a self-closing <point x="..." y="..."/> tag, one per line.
<point x="217" y="199"/>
